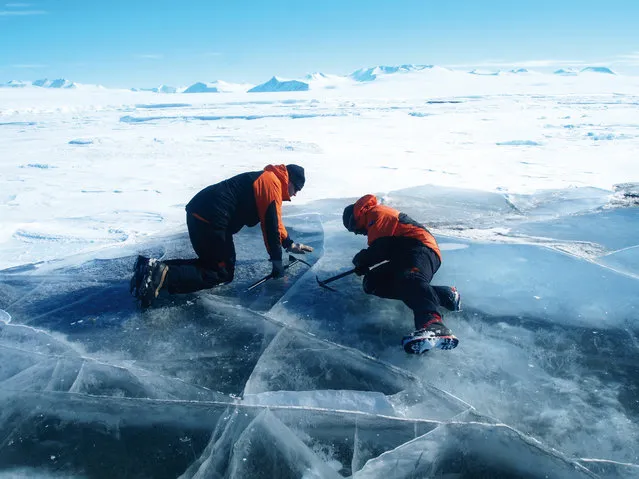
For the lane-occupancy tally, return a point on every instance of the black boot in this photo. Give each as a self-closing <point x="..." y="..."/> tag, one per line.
<point x="148" y="278"/>
<point x="139" y="270"/>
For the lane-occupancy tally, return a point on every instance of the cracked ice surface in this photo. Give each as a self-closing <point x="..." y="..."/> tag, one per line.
<point x="290" y="380"/>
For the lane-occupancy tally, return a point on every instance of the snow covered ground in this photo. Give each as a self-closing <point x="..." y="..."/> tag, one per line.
<point x="84" y="168"/>
<point x="515" y="174"/>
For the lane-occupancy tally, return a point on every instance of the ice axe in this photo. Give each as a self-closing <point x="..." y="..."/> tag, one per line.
<point x="324" y="284"/>
<point x="291" y="261"/>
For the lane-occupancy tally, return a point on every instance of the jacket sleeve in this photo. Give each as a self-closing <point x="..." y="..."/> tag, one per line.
<point x="268" y="197"/>
<point x="378" y="251"/>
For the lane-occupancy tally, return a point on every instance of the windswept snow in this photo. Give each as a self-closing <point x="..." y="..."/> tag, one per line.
<point x="431" y="126"/>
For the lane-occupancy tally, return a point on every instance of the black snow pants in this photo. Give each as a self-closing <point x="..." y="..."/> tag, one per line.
<point x="215" y="263"/>
<point x="410" y="283"/>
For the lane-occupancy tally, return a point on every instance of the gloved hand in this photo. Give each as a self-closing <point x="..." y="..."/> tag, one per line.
<point x="278" y="268"/>
<point x="359" y="260"/>
<point x="361" y="270"/>
<point x="299" y="248"/>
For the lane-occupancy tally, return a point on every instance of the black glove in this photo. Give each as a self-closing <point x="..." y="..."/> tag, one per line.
<point x="278" y="268"/>
<point x="361" y="270"/>
<point x="360" y="260"/>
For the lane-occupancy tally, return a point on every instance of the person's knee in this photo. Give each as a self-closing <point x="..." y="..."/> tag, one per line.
<point x="216" y="274"/>
<point x="368" y="285"/>
<point x="228" y="270"/>
<point x="227" y="274"/>
<point x="210" y="278"/>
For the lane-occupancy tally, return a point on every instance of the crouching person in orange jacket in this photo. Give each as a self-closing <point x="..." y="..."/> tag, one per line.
<point x="213" y="216"/>
<point x="413" y="257"/>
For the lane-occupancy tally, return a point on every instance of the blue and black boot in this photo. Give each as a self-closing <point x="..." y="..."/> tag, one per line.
<point x="433" y="335"/>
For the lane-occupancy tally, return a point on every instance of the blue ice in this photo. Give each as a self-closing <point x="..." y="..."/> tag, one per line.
<point x="291" y="380"/>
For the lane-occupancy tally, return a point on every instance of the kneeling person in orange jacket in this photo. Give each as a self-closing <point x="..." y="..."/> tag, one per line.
<point x="413" y="257"/>
<point x="213" y="216"/>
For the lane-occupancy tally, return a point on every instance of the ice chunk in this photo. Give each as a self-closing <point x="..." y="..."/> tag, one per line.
<point x="472" y="450"/>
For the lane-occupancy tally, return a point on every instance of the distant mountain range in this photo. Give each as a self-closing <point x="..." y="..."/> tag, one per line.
<point x="276" y="84"/>
<point x="44" y="83"/>
<point x="573" y="72"/>
<point x="370" y="74"/>
<point x="309" y="82"/>
<point x="217" y="86"/>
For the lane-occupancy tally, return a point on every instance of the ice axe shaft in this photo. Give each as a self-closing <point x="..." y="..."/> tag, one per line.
<point x="324" y="284"/>
<point x="291" y="261"/>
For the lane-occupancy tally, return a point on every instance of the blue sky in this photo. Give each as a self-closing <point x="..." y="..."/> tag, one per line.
<point x="146" y="43"/>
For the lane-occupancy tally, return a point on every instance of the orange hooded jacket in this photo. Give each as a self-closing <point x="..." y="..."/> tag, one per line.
<point x="379" y="221"/>
<point x="270" y="189"/>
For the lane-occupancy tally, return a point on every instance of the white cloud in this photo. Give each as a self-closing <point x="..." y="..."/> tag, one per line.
<point x="21" y="12"/>
<point x="28" y="65"/>
<point x="550" y="63"/>
<point x="17" y="5"/>
<point x="523" y="63"/>
<point x="627" y="59"/>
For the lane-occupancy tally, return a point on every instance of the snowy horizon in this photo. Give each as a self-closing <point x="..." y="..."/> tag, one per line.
<point x="364" y="74"/>
<point x="413" y="115"/>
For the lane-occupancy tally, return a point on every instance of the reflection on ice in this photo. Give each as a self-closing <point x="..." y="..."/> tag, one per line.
<point x="290" y="380"/>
